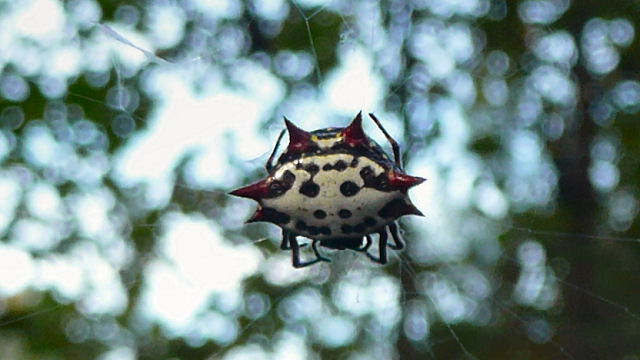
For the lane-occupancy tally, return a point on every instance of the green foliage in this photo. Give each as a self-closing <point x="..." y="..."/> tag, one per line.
<point x="590" y="249"/>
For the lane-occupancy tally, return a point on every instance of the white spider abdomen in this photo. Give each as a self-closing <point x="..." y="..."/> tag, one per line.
<point x="329" y="197"/>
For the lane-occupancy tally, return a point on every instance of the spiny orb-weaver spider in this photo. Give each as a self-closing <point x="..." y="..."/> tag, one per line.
<point x="336" y="187"/>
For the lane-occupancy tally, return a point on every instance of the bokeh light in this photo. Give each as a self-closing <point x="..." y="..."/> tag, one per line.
<point x="123" y="127"/>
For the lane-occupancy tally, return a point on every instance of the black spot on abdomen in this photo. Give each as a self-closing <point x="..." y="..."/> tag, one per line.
<point x="312" y="168"/>
<point x="316" y="230"/>
<point x="301" y="225"/>
<point x="349" y="188"/>
<point x="280" y="186"/>
<point x="340" y="165"/>
<point x="344" y="213"/>
<point x="380" y="182"/>
<point x="319" y="214"/>
<point x="310" y="189"/>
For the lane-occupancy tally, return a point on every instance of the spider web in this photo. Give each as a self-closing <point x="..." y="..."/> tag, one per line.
<point x="432" y="310"/>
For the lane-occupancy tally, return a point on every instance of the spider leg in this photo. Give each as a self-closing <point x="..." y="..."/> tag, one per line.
<point x="367" y="244"/>
<point x="269" y="165"/>
<point x="394" y="144"/>
<point x="382" y="247"/>
<point x="286" y="241"/>
<point x="314" y="245"/>
<point x="397" y="238"/>
<point x="295" y="253"/>
<point x="285" y="244"/>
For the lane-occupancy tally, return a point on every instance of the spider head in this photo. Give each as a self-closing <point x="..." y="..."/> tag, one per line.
<point x="301" y="141"/>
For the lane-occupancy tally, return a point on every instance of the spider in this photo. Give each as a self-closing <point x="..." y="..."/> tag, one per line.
<point x="336" y="187"/>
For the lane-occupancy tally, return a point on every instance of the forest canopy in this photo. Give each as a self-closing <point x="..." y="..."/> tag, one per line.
<point x="124" y="125"/>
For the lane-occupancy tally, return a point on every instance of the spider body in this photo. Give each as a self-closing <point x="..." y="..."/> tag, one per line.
<point x="336" y="187"/>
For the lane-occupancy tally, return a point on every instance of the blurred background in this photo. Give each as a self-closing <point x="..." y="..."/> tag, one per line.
<point x="123" y="125"/>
